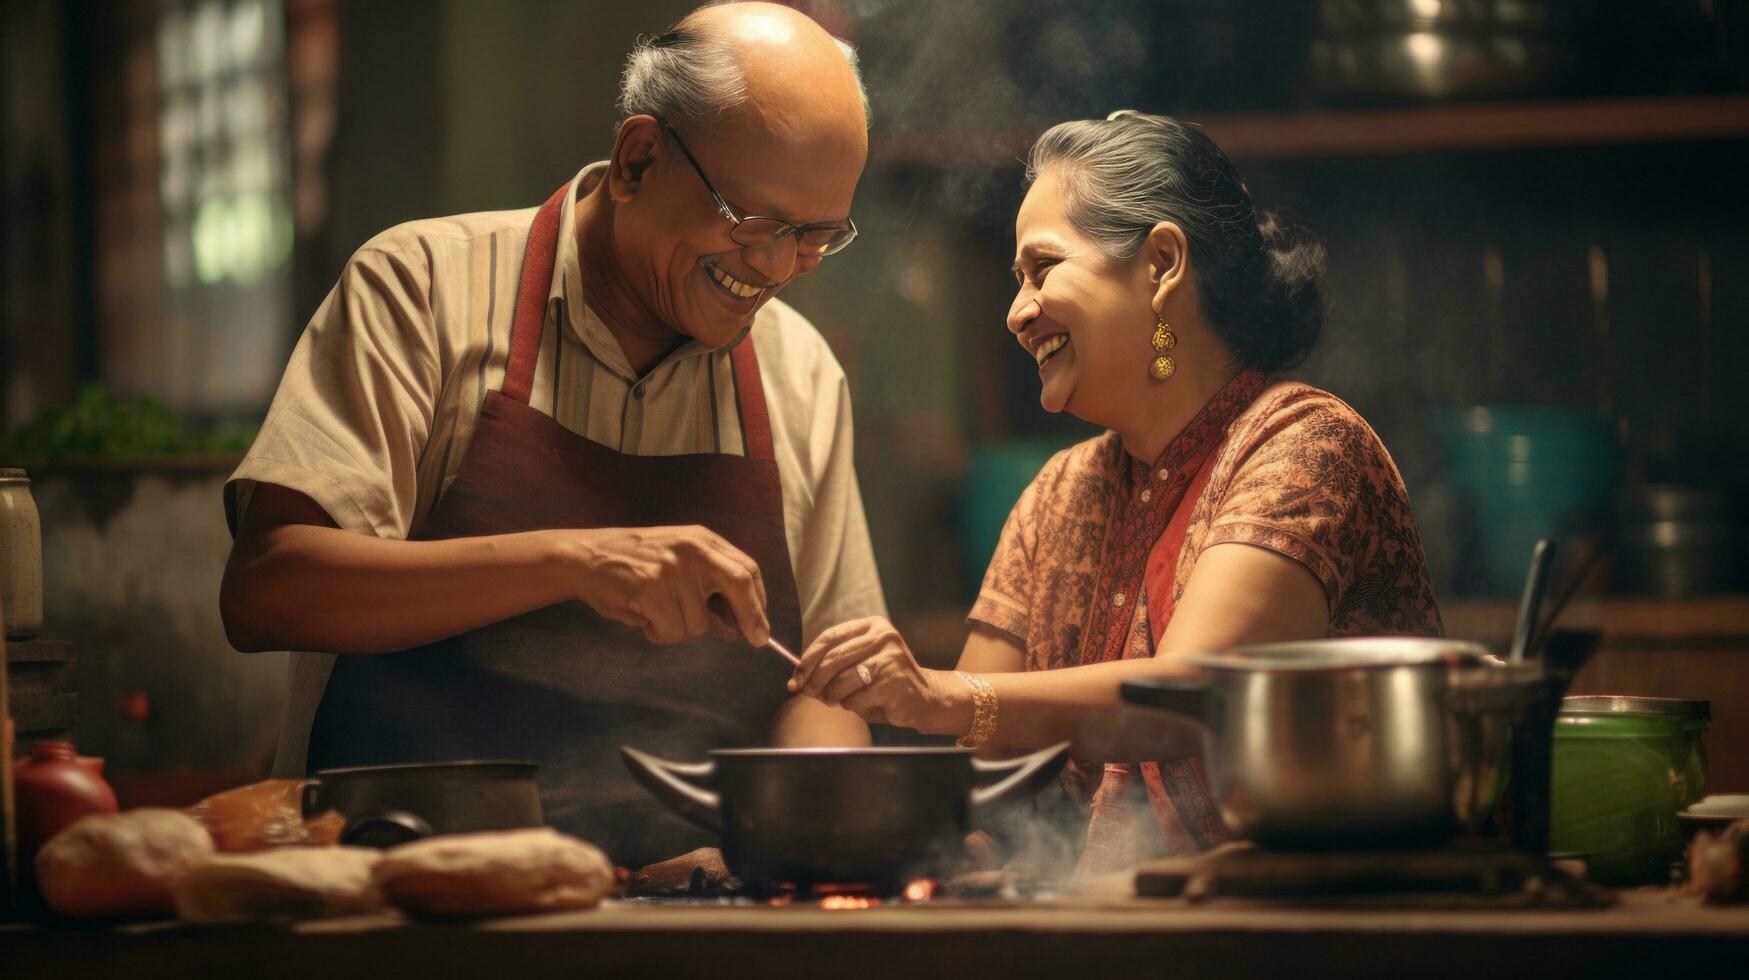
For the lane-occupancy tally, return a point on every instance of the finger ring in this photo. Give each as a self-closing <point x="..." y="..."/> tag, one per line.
<point x="862" y="671"/>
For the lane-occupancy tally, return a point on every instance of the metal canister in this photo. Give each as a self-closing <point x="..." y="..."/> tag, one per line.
<point x="21" y="556"/>
<point x="1623" y="768"/>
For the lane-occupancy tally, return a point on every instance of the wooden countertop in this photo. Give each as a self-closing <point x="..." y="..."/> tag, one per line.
<point x="1082" y="937"/>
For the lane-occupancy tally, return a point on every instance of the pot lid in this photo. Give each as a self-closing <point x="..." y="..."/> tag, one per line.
<point x="1621" y="704"/>
<point x="1344" y="653"/>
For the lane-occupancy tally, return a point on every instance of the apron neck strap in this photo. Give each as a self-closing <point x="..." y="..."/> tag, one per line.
<point x="750" y="395"/>
<point x="538" y="259"/>
<point x="531" y="297"/>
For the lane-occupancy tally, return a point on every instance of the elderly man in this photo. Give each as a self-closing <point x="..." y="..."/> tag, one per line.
<point x="544" y="479"/>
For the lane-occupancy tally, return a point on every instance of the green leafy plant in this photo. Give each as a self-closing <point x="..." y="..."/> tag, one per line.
<point x="97" y="424"/>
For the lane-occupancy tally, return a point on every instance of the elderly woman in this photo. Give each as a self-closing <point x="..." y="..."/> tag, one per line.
<point x="1222" y="507"/>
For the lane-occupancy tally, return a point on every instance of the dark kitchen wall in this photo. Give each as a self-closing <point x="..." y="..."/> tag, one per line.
<point x="1604" y="280"/>
<point x="450" y="106"/>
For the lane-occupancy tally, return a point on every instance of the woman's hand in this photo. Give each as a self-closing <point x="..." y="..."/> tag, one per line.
<point x="865" y="667"/>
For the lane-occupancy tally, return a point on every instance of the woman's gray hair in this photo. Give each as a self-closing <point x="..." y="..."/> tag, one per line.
<point x="1261" y="282"/>
<point x="684" y="75"/>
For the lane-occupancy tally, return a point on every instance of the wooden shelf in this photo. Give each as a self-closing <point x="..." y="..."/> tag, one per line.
<point x="1709" y="622"/>
<point x="1718" y="622"/>
<point x="1375" y="132"/>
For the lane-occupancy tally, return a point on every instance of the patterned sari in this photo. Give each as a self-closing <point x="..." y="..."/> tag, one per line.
<point x="1096" y="554"/>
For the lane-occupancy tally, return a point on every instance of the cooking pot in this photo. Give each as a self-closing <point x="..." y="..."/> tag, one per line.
<point x="875" y="816"/>
<point x="1351" y="743"/>
<point x="389" y="805"/>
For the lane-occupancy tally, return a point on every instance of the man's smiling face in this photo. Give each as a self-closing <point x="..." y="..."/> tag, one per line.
<point x="693" y="275"/>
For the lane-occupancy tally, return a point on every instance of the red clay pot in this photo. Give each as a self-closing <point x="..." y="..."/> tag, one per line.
<point x="56" y="786"/>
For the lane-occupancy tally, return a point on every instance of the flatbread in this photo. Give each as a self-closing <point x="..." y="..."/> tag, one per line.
<point x="289" y="883"/>
<point x="120" y="865"/>
<point x="510" y="872"/>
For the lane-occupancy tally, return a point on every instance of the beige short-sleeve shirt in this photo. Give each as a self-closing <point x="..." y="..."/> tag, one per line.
<point x="382" y="392"/>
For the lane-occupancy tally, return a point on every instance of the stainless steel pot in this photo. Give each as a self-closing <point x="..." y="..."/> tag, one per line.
<point x="1352" y="743"/>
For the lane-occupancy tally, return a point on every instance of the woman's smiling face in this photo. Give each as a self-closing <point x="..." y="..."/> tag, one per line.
<point x="1082" y="315"/>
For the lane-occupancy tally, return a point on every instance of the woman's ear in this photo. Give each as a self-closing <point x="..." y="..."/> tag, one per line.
<point x="1167" y="253"/>
<point x="634" y="152"/>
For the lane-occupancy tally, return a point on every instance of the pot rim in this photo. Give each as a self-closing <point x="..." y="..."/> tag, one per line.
<point x="1631" y="704"/>
<point x="823" y="751"/>
<point x="428" y="766"/>
<point x="1329" y="655"/>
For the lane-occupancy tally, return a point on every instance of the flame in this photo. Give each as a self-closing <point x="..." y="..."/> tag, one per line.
<point x="838" y="903"/>
<point x="921" y="890"/>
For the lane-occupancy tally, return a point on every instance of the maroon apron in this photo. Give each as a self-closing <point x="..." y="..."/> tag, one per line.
<point x="564" y="686"/>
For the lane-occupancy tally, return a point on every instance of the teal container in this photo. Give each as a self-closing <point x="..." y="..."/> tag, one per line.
<point x="995" y="478"/>
<point x="1623" y="768"/>
<point x="1528" y="472"/>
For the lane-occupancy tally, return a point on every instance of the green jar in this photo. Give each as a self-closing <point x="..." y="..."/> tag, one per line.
<point x="1623" y="768"/>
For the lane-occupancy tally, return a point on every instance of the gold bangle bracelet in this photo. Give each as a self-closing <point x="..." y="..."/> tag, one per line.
<point x="983" y="710"/>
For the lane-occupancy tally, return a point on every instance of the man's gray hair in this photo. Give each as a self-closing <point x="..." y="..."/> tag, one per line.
<point x="683" y="75"/>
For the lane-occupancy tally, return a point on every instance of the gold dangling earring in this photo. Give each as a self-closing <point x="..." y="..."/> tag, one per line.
<point x="1163" y="365"/>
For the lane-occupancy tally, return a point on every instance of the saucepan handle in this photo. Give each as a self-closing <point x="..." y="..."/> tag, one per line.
<point x="384" y="829"/>
<point x="1025" y="774"/>
<point x="672" y="783"/>
<point x="1190" y="697"/>
<point x="311" y="798"/>
<point x="1506" y="687"/>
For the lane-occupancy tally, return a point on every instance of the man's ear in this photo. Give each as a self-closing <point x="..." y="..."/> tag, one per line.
<point x="1168" y="257"/>
<point x="635" y="147"/>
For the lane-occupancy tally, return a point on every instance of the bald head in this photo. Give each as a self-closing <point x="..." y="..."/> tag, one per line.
<point x="739" y="62"/>
<point x="794" y="72"/>
<point x="741" y="110"/>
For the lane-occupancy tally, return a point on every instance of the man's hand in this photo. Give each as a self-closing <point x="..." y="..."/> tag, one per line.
<point x="661" y="580"/>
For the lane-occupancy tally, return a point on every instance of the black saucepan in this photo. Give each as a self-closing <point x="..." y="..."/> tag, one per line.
<point x="876" y="816"/>
<point x="388" y="805"/>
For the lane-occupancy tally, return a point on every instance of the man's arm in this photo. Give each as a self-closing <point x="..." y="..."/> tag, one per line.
<point x="296" y="581"/>
<point x="806" y="723"/>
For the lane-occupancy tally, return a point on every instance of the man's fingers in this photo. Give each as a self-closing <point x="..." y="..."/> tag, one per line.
<point x="665" y="622"/>
<point x="735" y="584"/>
<point x="695" y="616"/>
<point x="722" y="547"/>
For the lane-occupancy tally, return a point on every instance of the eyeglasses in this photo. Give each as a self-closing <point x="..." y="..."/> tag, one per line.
<point x="756" y="231"/>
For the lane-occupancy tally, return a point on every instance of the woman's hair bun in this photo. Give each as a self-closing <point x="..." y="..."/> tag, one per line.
<point x="1294" y="300"/>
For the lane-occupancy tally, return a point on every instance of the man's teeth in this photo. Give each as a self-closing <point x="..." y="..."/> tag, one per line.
<point x="1051" y="345"/>
<point x="732" y="284"/>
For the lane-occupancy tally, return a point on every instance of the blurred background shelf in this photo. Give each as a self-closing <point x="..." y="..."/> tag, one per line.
<point x="1712" y="621"/>
<point x="1402" y="130"/>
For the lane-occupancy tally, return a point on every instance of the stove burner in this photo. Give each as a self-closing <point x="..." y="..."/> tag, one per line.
<point x="1452" y="876"/>
<point x="976" y="887"/>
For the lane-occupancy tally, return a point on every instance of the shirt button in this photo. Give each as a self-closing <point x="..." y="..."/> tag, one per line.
<point x="1163" y="474"/>
<point x="638" y="390"/>
<point x="1118" y="599"/>
<point x="1147" y="495"/>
